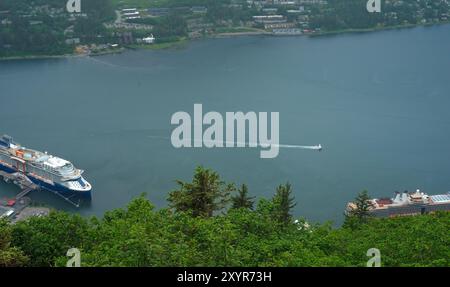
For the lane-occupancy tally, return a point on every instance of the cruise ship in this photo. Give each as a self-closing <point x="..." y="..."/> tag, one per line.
<point x="38" y="170"/>
<point x="407" y="203"/>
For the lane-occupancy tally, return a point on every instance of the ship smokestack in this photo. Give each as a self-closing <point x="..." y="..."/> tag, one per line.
<point x="405" y="196"/>
<point x="397" y="198"/>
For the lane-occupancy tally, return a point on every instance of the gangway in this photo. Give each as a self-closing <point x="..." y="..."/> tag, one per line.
<point x="24" y="193"/>
<point x="27" y="186"/>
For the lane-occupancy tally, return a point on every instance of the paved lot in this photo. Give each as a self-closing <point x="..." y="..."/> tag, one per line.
<point x="28" y="212"/>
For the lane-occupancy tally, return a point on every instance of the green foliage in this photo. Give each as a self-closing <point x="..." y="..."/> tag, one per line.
<point x="242" y="199"/>
<point x="37" y="30"/>
<point x="193" y="236"/>
<point x="283" y="202"/>
<point x="9" y="256"/>
<point x="28" y="28"/>
<point x="167" y="3"/>
<point x="360" y="213"/>
<point x="45" y="239"/>
<point x="142" y="236"/>
<point x="170" y="26"/>
<point x="350" y="14"/>
<point x="205" y="195"/>
<point x="402" y="241"/>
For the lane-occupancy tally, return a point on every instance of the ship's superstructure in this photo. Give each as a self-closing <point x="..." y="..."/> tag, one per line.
<point x="407" y="203"/>
<point x="37" y="169"/>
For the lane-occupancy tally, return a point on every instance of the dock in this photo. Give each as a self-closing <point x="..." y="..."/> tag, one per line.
<point x="23" y="193"/>
<point x="18" y="208"/>
<point x="20" y="180"/>
<point x="27" y="186"/>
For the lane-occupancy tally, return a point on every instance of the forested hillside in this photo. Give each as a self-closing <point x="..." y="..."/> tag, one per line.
<point x="42" y="26"/>
<point x="212" y="223"/>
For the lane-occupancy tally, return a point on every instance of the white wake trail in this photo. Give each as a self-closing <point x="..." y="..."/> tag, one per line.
<point x="246" y="144"/>
<point x="311" y="147"/>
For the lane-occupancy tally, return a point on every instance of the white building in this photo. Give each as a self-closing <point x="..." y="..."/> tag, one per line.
<point x="149" y="40"/>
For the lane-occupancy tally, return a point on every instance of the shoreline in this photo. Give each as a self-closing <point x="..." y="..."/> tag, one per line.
<point x="180" y="43"/>
<point x="239" y="34"/>
<point x="40" y="57"/>
<point x="183" y="42"/>
<point x="375" y="29"/>
<point x="64" y="56"/>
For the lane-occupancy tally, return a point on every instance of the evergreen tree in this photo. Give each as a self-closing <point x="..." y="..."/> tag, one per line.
<point x="206" y="194"/>
<point x="360" y="213"/>
<point x="284" y="201"/>
<point x="242" y="200"/>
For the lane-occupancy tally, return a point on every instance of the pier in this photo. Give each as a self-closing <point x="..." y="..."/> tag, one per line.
<point x="27" y="186"/>
<point x="23" y="193"/>
<point x="20" y="180"/>
<point x="18" y="209"/>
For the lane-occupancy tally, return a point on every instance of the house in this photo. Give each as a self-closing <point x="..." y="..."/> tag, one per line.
<point x="266" y="19"/>
<point x="129" y="10"/>
<point x="279" y="26"/>
<point x="149" y="40"/>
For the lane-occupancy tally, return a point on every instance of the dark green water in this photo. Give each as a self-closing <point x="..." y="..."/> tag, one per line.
<point x="379" y="103"/>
